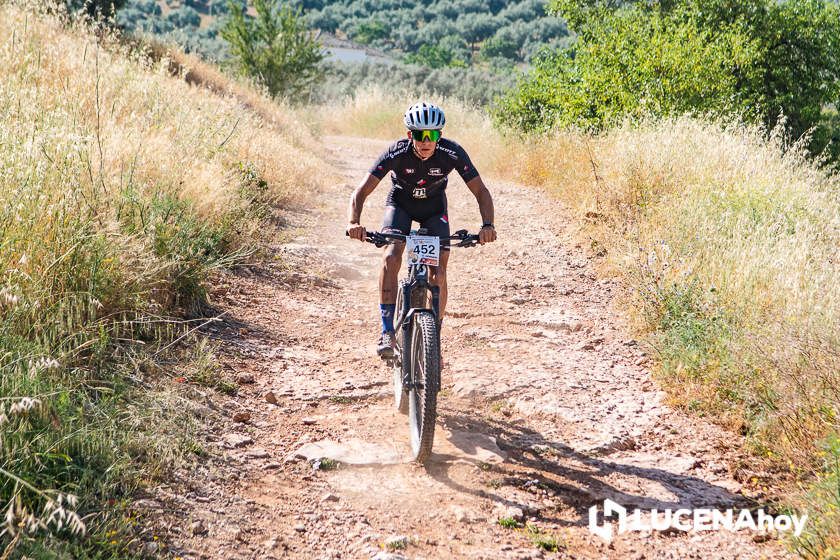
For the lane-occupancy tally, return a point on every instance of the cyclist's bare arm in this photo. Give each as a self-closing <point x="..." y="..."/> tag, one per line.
<point x="485" y="206"/>
<point x="357" y="202"/>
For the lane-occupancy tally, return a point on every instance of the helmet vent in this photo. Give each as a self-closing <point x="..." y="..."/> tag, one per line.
<point x="424" y="116"/>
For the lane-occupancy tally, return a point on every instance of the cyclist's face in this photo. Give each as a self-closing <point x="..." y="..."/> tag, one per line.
<point x="424" y="148"/>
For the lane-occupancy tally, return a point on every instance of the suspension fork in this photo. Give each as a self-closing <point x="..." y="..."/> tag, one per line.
<point x="405" y="332"/>
<point x="436" y="310"/>
<point x="406" y="304"/>
<point x="435" y="302"/>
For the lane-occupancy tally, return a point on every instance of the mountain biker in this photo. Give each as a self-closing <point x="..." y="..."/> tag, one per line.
<point x="419" y="165"/>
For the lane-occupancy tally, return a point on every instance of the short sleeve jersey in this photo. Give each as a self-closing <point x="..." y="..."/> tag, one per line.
<point x="419" y="185"/>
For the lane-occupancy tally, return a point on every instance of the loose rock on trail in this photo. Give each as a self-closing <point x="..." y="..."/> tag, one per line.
<point x="547" y="407"/>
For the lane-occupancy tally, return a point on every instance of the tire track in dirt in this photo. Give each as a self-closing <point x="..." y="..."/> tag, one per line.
<point x="546" y="409"/>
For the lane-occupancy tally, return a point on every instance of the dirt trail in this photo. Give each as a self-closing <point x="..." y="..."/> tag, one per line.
<point x="547" y="407"/>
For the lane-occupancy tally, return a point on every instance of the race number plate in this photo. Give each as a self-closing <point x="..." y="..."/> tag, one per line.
<point x="423" y="249"/>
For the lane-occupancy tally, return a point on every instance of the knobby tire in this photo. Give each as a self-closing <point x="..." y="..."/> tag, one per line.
<point x="424" y="357"/>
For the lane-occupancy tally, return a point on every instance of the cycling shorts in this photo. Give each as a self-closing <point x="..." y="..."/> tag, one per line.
<point x="398" y="220"/>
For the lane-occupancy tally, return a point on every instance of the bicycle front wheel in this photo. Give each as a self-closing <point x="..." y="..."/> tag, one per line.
<point x="425" y="376"/>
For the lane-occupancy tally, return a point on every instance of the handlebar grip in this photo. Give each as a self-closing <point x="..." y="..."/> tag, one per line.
<point x="368" y="234"/>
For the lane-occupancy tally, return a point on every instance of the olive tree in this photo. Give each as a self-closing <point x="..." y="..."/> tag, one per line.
<point x="94" y="8"/>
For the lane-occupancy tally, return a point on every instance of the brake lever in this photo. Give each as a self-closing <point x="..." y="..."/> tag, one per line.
<point x="377" y="239"/>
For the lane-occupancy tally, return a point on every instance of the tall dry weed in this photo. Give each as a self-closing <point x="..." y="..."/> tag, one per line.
<point x="374" y="113"/>
<point x="121" y="189"/>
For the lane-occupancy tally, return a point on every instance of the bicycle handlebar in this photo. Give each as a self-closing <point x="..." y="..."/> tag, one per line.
<point x="381" y="239"/>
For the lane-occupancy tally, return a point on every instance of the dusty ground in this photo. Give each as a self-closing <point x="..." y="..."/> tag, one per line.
<point x="547" y="407"/>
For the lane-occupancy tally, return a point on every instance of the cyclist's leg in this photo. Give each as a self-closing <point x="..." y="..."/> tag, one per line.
<point x="395" y="220"/>
<point x="438" y="278"/>
<point x="439" y="225"/>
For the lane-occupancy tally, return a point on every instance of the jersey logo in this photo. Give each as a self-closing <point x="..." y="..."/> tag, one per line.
<point x="419" y="192"/>
<point x="409" y="171"/>
<point x="435" y="171"/>
<point x="450" y="153"/>
<point x="398" y="149"/>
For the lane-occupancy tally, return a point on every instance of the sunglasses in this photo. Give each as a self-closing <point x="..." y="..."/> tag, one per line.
<point x="423" y="135"/>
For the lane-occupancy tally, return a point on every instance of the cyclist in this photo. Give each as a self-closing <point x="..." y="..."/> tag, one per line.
<point x="419" y="165"/>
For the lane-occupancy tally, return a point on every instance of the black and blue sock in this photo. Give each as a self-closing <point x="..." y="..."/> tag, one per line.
<point x="386" y="311"/>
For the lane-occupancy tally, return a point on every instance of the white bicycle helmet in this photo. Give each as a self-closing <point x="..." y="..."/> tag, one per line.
<point x="424" y="116"/>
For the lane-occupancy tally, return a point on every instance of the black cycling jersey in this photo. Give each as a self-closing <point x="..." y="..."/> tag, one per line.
<point x="419" y="185"/>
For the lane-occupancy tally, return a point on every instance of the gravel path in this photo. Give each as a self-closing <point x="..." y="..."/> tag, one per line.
<point x="547" y="407"/>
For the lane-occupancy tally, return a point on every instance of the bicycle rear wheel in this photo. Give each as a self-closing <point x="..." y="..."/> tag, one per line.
<point x="424" y="355"/>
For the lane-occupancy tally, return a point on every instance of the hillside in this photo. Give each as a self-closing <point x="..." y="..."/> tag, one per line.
<point x="470" y="50"/>
<point x="459" y="33"/>
<point x="438" y="34"/>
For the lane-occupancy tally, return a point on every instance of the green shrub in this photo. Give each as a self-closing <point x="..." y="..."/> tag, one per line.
<point x="543" y="541"/>
<point x="434" y="56"/>
<point x="275" y="48"/>
<point x="367" y="32"/>
<point x="641" y="64"/>
<point x="509" y="523"/>
<point x="761" y="60"/>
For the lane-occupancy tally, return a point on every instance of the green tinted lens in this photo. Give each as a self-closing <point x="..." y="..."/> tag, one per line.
<point x="423" y="135"/>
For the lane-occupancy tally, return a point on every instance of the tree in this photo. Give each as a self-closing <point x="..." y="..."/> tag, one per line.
<point x="369" y="31"/>
<point x="459" y="49"/>
<point x="433" y="56"/>
<point x="504" y="44"/>
<point x="149" y="7"/>
<point x="184" y="17"/>
<point x="527" y="10"/>
<point x="94" y="8"/>
<point x="275" y="48"/>
<point x="328" y="20"/>
<point x="758" y="59"/>
<point x="475" y="27"/>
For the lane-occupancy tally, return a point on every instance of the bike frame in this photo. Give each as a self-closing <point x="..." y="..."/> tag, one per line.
<point x="418" y="278"/>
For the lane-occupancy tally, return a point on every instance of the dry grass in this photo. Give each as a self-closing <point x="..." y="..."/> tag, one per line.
<point x="121" y="189"/>
<point x="107" y="132"/>
<point x="730" y="243"/>
<point x="752" y="226"/>
<point x="285" y="120"/>
<point x="374" y="113"/>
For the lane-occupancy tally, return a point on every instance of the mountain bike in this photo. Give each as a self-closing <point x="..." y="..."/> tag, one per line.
<point x="416" y="361"/>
